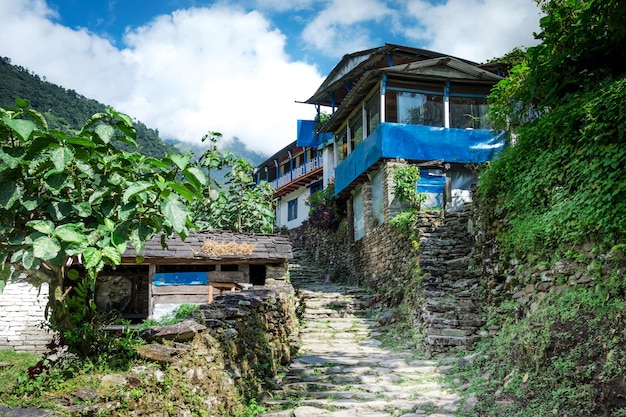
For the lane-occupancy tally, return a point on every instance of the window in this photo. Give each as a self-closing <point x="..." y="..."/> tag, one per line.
<point x="372" y="111"/>
<point x="356" y="131"/>
<point x="342" y="145"/>
<point x="316" y="186"/>
<point x="468" y="113"/>
<point x="420" y="109"/>
<point x="292" y="209"/>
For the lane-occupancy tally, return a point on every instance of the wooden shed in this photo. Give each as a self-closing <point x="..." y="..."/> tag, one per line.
<point x="192" y="271"/>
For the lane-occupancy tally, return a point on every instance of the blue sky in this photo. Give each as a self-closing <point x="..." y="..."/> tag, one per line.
<point x="185" y="67"/>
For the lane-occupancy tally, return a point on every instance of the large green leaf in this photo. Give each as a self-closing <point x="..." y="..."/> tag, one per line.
<point x="56" y="182"/>
<point x="140" y="233"/>
<point x="92" y="257"/>
<point x="46" y="248"/>
<point x="105" y="132"/>
<point x="44" y="226"/>
<point x="61" y="157"/>
<point x="176" y="213"/>
<point x="181" y="160"/>
<point x="81" y="141"/>
<point x="93" y="120"/>
<point x="37" y="118"/>
<point x="112" y="253"/>
<point x="23" y="128"/>
<point x="71" y="233"/>
<point x="83" y="209"/>
<point x="183" y="191"/>
<point x="10" y="192"/>
<point x="196" y="176"/>
<point x="136" y="188"/>
<point x="11" y="157"/>
<point x="97" y="196"/>
<point x="30" y="203"/>
<point x="59" y="210"/>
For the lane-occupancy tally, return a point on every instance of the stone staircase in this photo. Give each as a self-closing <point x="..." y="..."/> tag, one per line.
<point x="343" y="370"/>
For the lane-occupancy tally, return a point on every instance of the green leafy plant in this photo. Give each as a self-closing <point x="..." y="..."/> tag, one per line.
<point x="180" y="313"/>
<point x="239" y="205"/>
<point x="75" y="198"/>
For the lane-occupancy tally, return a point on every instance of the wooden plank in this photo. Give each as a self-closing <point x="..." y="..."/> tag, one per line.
<point x="226" y="276"/>
<point x="151" y="272"/>
<point x="180" y="289"/>
<point x="181" y="299"/>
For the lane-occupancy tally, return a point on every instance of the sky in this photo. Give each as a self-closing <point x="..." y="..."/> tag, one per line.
<point x="239" y="67"/>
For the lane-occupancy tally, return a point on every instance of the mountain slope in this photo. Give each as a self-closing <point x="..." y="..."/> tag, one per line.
<point x="65" y="109"/>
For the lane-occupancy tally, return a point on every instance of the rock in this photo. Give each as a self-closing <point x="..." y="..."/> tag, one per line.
<point x="565" y="267"/>
<point x="470" y="402"/>
<point x="388" y="317"/>
<point x="23" y="412"/>
<point x="179" y="332"/>
<point x="159" y="353"/>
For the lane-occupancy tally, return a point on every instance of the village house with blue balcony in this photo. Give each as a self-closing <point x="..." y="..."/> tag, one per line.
<point x="295" y="172"/>
<point x="391" y="105"/>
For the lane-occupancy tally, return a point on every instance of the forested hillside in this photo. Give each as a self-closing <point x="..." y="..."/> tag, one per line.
<point x="65" y="109"/>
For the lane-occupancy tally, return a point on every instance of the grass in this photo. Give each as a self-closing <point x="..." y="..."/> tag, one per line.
<point x="19" y="364"/>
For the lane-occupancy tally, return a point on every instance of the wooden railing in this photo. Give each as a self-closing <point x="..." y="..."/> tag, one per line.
<point x="298" y="172"/>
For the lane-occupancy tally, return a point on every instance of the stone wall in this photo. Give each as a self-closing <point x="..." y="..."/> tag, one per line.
<point x="22" y="308"/>
<point x="245" y="339"/>
<point x="453" y="312"/>
<point x="436" y="279"/>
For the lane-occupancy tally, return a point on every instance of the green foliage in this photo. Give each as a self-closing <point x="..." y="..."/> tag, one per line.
<point x="19" y="364"/>
<point x="67" y="196"/>
<point x="405" y="185"/>
<point x="324" y="209"/>
<point x="566" y="357"/>
<point x="562" y="183"/>
<point x="240" y="205"/>
<point x="582" y="44"/>
<point x="180" y="313"/>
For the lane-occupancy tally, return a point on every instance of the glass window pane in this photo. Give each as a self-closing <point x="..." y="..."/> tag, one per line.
<point x="468" y="113"/>
<point x="420" y="109"/>
<point x="356" y="131"/>
<point x="373" y="114"/>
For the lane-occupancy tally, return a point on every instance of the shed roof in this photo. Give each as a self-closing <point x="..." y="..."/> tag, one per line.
<point x="215" y="246"/>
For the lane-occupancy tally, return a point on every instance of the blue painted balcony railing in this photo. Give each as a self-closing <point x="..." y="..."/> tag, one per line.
<point x="418" y="143"/>
<point x="298" y="172"/>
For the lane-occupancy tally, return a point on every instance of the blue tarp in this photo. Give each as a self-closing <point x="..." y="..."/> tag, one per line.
<point x="418" y="143"/>
<point x="433" y="187"/>
<point x="181" y="278"/>
<point x="306" y="135"/>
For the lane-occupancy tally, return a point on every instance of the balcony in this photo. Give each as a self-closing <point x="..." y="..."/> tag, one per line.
<point x="418" y="143"/>
<point x="299" y="176"/>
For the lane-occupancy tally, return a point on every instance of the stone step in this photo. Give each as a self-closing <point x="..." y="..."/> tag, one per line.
<point x="371" y="403"/>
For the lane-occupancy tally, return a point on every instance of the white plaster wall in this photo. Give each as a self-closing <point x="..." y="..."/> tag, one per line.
<point x="302" y="194"/>
<point x="22" y="309"/>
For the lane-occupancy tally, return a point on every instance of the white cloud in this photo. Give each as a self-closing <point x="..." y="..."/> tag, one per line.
<point x="74" y="59"/>
<point x="341" y="27"/>
<point x="195" y="70"/>
<point x="472" y="29"/>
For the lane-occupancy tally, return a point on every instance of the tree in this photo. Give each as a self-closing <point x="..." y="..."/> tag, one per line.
<point x="70" y="203"/>
<point x="239" y="205"/>
<point x="582" y="44"/>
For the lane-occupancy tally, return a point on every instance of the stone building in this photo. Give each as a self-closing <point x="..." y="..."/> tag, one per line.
<point x="193" y="271"/>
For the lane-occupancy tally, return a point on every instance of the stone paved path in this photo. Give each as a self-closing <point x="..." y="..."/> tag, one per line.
<point x="342" y="370"/>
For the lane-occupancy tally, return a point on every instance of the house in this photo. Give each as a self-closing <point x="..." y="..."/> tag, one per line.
<point x="400" y="105"/>
<point x="192" y="271"/>
<point x="295" y="172"/>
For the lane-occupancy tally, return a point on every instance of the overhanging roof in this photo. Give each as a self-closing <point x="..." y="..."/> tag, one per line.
<point x="442" y="68"/>
<point x="352" y="67"/>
